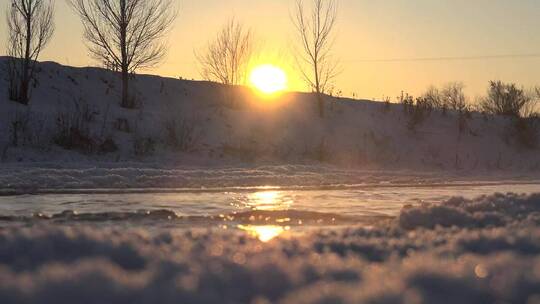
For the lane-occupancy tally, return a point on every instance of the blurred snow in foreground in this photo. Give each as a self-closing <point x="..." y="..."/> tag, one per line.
<point x="484" y="250"/>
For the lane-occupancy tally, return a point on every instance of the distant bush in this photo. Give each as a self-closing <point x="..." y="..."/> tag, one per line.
<point x="450" y="96"/>
<point x="453" y="96"/>
<point x="72" y="135"/>
<point x="505" y="99"/>
<point x="25" y="129"/>
<point x="181" y="135"/>
<point x="526" y="131"/>
<point x="19" y="127"/>
<point x="319" y="152"/>
<point x="433" y="98"/>
<point x="144" y="146"/>
<point x="73" y="128"/>
<point x="418" y="112"/>
<point x="122" y="125"/>
<point x="416" y="109"/>
<point x="244" y="152"/>
<point x="406" y="100"/>
<point x="108" y="146"/>
<point x="387" y="103"/>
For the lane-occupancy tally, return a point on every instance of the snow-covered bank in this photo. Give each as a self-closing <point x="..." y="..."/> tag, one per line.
<point x="39" y="177"/>
<point x="74" y="117"/>
<point x="461" y="251"/>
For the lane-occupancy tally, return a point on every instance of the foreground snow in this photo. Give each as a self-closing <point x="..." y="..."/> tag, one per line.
<point x="484" y="250"/>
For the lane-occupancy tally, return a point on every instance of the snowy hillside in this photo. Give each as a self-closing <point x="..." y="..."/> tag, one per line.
<point x="74" y="115"/>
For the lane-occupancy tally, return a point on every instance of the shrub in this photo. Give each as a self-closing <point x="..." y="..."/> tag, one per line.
<point x="319" y="152"/>
<point x="73" y="128"/>
<point x="19" y="127"/>
<point x="244" y="152"/>
<point x="526" y="131"/>
<point x="416" y="109"/>
<point x="433" y="98"/>
<point x="453" y="96"/>
<point x="505" y="99"/>
<point x="4" y="152"/>
<point x="26" y="129"/>
<point x="108" y="146"/>
<point x="181" y="135"/>
<point x="450" y="96"/>
<point x="406" y="100"/>
<point x="418" y="113"/>
<point x="144" y="146"/>
<point x="387" y="103"/>
<point x="122" y="125"/>
<point x="72" y="134"/>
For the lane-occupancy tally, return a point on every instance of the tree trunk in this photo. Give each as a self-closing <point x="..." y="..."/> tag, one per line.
<point x="320" y="102"/>
<point x="127" y="102"/>
<point x="25" y="73"/>
<point x="23" y="89"/>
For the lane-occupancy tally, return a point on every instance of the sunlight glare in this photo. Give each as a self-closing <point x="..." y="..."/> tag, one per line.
<point x="263" y="233"/>
<point x="268" y="79"/>
<point x="268" y="200"/>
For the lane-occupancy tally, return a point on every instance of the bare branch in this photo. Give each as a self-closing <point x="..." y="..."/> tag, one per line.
<point x="30" y="26"/>
<point x="228" y="56"/>
<point x="126" y="35"/>
<point x="315" y="33"/>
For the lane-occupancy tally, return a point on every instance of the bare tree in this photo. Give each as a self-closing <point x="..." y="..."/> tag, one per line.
<point x="433" y="97"/>
<point x="453" y="96"/>
<point x="507" y="99"/>
<point x="315" y="31"/>
<point x="228" y="56"/>
<point x="30" y="27"/>
<point x="126" y="34"/>
<point x="450" y="96"/>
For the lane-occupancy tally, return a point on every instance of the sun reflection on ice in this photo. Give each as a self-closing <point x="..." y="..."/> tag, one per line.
<point x="264" y="233"/>
<point x="268" y="200"/>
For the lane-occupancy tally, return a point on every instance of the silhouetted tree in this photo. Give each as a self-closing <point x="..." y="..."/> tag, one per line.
<point x="433" y="97"/>
<point x="453" y="96"/>
<point x="315" y="32"/>
<point x="30" y="27"/>
<point x="450" y="96"/>
<point x="505" y="99"/>
<point x="227" y="57"/>
<point x="126" y="34"/>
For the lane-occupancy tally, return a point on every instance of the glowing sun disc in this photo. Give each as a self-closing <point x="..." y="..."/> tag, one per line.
<point x="268" y="79"/>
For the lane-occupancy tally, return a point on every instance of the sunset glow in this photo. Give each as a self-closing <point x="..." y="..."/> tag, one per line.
<point x="268" y="79"/>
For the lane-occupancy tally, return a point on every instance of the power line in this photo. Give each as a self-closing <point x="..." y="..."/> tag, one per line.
<point x="457" y="58"/>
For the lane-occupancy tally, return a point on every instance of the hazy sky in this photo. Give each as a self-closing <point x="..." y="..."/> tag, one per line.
<point x="367" y="31"/>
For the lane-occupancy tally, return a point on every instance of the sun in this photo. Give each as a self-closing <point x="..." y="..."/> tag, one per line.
<point x="268" y="79"/>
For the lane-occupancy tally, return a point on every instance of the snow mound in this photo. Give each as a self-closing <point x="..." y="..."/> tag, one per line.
<point x="495" y="210"/>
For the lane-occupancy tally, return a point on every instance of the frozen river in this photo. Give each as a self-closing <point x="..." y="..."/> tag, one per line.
<point x="231" y="206"/>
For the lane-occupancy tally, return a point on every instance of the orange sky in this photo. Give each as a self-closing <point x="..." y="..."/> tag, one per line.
<point x="367" y="31"/>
